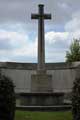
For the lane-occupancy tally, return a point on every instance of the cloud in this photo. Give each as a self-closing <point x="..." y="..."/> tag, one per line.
<point x="21" y="48"/>
<point x="20" y="10"/>
<point x="28" y="50"/>
<point x="59" y="42"/>
<point x="18" y="41"/>
<point x="52" y="36"/>
<point x="55" y="56"/>
<point x="12" y="40"/>
<point x="14" y="44"/>
<point x="74" y="24"/>
<point x="56" y="46"/>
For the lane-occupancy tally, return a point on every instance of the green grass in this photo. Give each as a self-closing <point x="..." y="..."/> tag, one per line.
<point x="22" y="115"/>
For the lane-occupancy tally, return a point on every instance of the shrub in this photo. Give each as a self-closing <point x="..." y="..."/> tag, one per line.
<point x="76" y="99"/>
<point x="7" y="99"/>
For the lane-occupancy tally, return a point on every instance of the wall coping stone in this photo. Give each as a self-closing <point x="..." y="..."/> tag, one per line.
<point x="33" y="66"/>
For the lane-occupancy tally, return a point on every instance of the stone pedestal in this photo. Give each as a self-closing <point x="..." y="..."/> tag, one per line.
<point x="41" y="87"/>
<point x="41" y="92"/>
<point x="41" y="83"/>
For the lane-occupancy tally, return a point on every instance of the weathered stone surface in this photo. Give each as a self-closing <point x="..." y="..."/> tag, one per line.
<point x="62" y="79"/>
<point x="41" y="83"/>
<point x="33" y="66"/>
<point x="63" y="75"/>
<point x="41" y="16"/>
<point x="42" y="99"/>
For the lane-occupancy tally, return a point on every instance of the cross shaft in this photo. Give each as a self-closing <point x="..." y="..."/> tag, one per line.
<point x="41" y="43"/>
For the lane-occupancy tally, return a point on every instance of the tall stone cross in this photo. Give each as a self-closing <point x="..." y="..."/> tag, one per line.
<point x="41" y="43"/>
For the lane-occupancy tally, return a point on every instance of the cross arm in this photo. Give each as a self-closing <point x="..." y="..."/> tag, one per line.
<point x="34" y="16"/>
<point x="47" y="16"/>
<point x="37" y="16"/>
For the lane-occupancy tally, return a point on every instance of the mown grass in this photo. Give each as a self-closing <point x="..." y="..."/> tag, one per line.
<point x="22" y="115"/>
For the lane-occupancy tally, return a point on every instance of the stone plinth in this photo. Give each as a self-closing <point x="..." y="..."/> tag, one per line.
<point x="41" y="83"/>
<point x="42" y="99"/>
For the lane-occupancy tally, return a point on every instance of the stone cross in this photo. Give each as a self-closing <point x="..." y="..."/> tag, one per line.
<point x="41" y="43"/>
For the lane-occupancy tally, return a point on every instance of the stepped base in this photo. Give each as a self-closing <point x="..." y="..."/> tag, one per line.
<point x="41" y="99"/>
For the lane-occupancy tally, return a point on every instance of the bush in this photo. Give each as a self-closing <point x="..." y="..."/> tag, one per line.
<point x="76" y="99"/>
<point x="7" y="99"/>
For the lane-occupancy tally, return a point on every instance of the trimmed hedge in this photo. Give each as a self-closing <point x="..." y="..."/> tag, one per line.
<point x="7" y="99"/>
<point x="76" y="99"/>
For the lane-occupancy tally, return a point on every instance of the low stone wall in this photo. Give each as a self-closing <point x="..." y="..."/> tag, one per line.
<point x="63" y="75"/>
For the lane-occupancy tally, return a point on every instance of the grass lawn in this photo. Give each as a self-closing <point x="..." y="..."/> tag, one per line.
<point x="22" y="115"/>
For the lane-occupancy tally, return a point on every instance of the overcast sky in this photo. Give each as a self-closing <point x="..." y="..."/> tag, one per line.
<point x="18" y="33"/>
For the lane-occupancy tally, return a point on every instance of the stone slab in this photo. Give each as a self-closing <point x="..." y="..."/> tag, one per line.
<point x="41" y="83"/>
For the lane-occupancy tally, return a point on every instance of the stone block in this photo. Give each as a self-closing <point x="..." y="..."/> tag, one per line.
<point x="41" y="83"/>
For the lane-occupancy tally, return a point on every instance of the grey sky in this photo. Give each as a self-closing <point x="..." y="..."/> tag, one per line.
<point x="18" y="33"/>
<point x="20" y="10"/>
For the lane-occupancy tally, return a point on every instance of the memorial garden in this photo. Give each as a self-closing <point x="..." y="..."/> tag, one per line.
<point x="42" y="101"/>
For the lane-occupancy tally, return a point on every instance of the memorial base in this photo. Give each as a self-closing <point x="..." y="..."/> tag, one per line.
<point x="41" y="99"/>
<point x="41" y="83"/>
<point x="41" y="92"/>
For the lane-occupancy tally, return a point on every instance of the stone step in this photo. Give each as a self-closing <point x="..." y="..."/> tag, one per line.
<point x="45" y="108"/>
